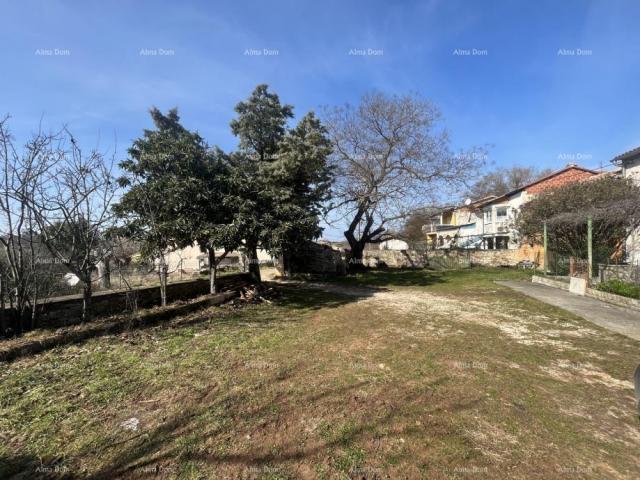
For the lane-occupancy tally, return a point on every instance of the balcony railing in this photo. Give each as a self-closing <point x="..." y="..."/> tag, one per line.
<point x="440" y="227"/>
<point x="497" y="227"/>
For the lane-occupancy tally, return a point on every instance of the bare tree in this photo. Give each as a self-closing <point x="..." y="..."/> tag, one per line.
<point x="504" y="180"/>
<point x="23" y="273"/>
<point x="72" y="206"/>
<point x="389" y="159"/>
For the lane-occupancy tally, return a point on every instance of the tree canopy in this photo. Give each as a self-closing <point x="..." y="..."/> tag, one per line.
<point x="613" y="203"/>
<point x="280" y="176"/>
<point x="163" y="175"/>
<point x="390" y="157"/>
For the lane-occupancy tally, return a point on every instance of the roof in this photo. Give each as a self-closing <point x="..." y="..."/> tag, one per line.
<point x="630" y="155"/>
<point x="571" y="166"/>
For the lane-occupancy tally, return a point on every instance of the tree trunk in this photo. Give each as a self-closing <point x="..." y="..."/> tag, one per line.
<point x="254" y="266"/>
<point x="86" y="300"/>
<point x="3" y="320"/>
<point x="162" y="272"/>
<point x="357" y="252"/>
<point x="213" y="271"/>
<point x="104" y="272"/>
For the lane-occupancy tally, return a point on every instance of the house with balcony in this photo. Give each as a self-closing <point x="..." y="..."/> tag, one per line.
<point x="490" y="223"/>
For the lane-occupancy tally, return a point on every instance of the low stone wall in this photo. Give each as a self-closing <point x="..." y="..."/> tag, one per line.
<point x="590" y="292"/>
<point x="62" y="311"/>
<point x="626" y="273"/>
<point x="441" y="258"/>
<point x="76" y="334"/>
<point x="551" y="282"/>
<point x="394" y="259"/>
<point x="495" y="258"/>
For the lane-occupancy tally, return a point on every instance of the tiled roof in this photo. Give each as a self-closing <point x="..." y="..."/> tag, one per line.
<point x="539" y="180"/>
<point x="627" y="156"/>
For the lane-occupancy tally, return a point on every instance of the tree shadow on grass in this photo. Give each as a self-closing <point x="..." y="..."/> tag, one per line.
<point x="161" y="448"/>
<point x="179" y="316"/>
<point x="393" y="277"/>
<point x="317" y="296"/>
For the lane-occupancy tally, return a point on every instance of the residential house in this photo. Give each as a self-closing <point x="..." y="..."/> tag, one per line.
<point x="630" y="164"/>
<point x="489" y="223"/>
<point x="393" y="244"/>
<point x="191" y="260"/>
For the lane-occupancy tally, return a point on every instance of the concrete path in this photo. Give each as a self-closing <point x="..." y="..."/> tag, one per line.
<point x="617" y="319"/>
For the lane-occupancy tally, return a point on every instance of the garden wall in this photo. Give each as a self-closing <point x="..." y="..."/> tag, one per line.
<point x="394" y="258"/>
<point x="626" y="273"/>
<point x="442" y="258"/>
<point x="61" y="311"/>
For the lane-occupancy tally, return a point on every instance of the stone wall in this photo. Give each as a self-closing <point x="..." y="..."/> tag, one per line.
<point x="393" y="259"/>
<point x="495" y="258"/>
<point x="626" y="273"/>
<point x="61" y="311"/>
<point x="444" y="259"/>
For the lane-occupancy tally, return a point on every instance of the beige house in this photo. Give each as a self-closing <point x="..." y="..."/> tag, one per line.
<point x="191" y="260"/>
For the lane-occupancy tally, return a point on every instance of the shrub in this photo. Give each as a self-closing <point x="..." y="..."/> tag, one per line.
<point x="619" y="287"/>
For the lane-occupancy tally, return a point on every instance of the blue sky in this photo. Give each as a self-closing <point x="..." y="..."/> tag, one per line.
<point x="517" y="93"/>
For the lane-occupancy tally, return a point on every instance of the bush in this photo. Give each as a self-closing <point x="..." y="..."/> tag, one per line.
<point x="619" y="287"/>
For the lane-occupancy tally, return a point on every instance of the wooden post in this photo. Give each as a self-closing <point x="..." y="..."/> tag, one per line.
<point x="590" y="248"/>
<point x="544" y="248"/>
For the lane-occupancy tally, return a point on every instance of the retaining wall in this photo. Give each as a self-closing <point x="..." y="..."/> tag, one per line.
<point x="590" y="292"/>
<point x="626" y="273"/>
<point x="61" y="311"/>
<point x="460" y="258"/>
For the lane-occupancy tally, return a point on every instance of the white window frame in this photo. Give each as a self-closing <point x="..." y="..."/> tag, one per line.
<point x="502" y="218"/>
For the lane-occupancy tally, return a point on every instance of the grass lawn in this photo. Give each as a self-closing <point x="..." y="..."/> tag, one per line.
<point x="423" y="375"/>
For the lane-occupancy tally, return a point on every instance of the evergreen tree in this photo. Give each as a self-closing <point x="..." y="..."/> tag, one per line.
<point x="163" y="173"/>
<point x="260" y="128"/>
<point x="302" y="177"/>
<point x="281" y="177"/>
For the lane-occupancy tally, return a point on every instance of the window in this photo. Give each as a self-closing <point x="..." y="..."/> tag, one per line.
<point x="501" y="214"/>
<point x="502" y="243"/>
<point x="488" y="217"/>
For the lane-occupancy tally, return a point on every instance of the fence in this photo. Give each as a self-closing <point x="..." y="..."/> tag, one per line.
<point x="59" y="283"/>
<point x="594" y="261"/>
<point x="62" y="283"/>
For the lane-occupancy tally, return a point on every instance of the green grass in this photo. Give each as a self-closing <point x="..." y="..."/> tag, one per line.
<point x="619" y="287"/>
<point x="437" y="375"/>
<point x="477" y="277"/>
